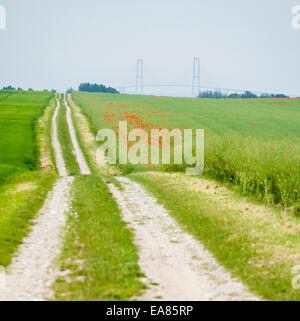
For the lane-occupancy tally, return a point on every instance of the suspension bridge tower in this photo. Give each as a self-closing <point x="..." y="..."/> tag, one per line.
<point x="140" y="77"/>
<point x="196" y="76"/>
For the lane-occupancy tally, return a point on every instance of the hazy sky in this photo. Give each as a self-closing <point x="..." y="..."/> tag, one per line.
<point x="247" y="44"/>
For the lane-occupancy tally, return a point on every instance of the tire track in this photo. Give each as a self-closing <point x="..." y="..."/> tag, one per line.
<point x="177" y="266"/>
<point x="83" y="166"/>
<point x="59" y="158"/>
<point x="32" y="271"/>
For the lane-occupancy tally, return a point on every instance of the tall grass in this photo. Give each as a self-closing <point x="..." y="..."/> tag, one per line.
<point x="269" y="170"/>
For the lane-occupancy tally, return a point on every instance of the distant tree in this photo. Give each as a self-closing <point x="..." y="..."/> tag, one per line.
<point x="19" y="89"/>
<point x="54" y="91"/>
<point x="273" y="96"/>
<point x="30" y="89"/>
<point x="234" y="96"/>
<point x="9" y="88"/>
<point x="97" y="88"/>
<point x="212" y="94"/>
<point x="248" y="94"/>
<point x="265" y="96"/>
<point x="69" y="90"/>
<point x="45" y="90"/>
<point x="281" y="96"/>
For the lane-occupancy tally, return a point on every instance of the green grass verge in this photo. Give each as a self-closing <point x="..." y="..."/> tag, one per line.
<point x="44" y="142"/>
<point x="85" y="148"/>
<point x="65" y="140"/>
<point x="86" y="137"/>
<point x="20" y="200"/>
<point x="99" y="252"/>
<point x="259" y="249"/>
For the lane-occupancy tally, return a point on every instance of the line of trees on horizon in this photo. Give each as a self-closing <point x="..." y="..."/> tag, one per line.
<point x="247" y="94"/>
<point x="95" y="88"/>
<point x="20" y="89"/>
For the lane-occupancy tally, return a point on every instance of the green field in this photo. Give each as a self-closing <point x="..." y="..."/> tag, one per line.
<point x="253" y="143"/>
<point x="18" y="114"/>
<point x="23" y="186"/>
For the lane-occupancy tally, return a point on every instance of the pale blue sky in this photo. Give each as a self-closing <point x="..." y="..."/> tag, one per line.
<point x="247" y="44"/>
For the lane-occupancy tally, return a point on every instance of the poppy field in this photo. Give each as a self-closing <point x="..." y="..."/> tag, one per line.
<point x="253" y="144"/>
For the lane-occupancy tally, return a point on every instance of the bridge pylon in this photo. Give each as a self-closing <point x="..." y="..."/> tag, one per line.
<point x="196" y="76"/>
<point x="140" y="77"/>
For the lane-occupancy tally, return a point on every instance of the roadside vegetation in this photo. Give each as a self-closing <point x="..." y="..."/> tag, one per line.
<point x="26" y="169"/>
<point x="44" y="141"/>
<point x="20" y="200"/>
